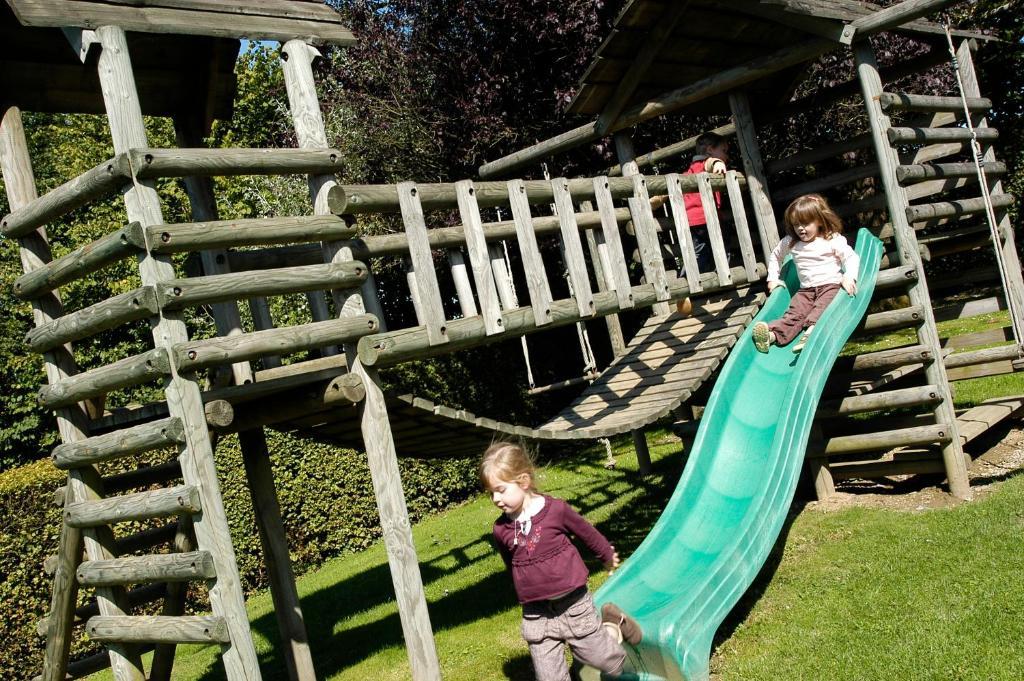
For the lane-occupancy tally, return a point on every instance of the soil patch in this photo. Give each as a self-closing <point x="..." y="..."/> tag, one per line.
<point x="997" y="456"/>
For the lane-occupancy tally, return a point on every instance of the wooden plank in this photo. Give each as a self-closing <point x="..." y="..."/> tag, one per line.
<point x="909" y="174"/>
<point x="533" y="263"/>
<point x="89" y="321"/>
<point x="159" y="629"/>
<point x="739" y="218"/>
<point x="104" y="379"/>
<point x="423" y="264"/>
<point x="977" y="420"/>
<point x="167" y="567"/>
<point x="176" y="294"/>
<point x="479" y="258"/>
<point x="103" y="180"/>
<point x="883" y="440"/>
<point x="222" y="350"/>
<point x="958" y="208"/>
<point x="647" y="238"/>
<point x="204" y="162"/>
<point x="94" y="256"/>
<point x="162" y="503"/>
<point x="906" y="135"/>
<point x="460" y="276"/>
<point x="717" y="242"/>
<point x="753" y="166"/>
<point x="617" y="269"/>
<point x="141" y="438"/>
<point x="215" y="234"/>
<point x="179" y="21"/>
<point x="572" y="248"/>
<point x="683" y="236"/>
<point x="912" y="102"/>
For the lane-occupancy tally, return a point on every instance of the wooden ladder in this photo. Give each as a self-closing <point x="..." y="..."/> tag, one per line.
<point x="184" y="490"/>
<point x="896" y="176"/>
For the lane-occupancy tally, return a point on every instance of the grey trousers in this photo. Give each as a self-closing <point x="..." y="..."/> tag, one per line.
<point x="549" y="625"/>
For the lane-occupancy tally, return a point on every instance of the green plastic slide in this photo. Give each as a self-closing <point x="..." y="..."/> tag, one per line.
<point x="733" y="497"/>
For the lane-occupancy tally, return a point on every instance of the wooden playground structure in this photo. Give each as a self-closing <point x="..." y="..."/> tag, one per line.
<point x="127" y="60"/>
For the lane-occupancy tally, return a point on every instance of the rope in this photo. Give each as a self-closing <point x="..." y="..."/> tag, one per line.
<point x="990" y="213"/>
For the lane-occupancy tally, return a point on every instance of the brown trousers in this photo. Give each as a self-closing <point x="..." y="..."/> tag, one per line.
<point x="804" y="310"/>
<point x="573" y="619"/>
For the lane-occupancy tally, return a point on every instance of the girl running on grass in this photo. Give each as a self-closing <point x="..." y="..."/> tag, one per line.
<point x="533" y="536"/>
<point x="824" y="264"/>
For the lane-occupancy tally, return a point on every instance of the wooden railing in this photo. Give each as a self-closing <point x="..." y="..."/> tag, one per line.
<point x="283" y="255"/>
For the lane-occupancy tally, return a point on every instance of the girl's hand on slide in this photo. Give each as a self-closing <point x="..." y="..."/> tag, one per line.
<point x="772" y="285"/>
<point x="849" y="285"/>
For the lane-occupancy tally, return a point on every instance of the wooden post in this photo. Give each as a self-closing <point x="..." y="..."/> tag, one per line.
<point x="377" y="436"/>
<point x="183" y="396"/>
<point x="601" y="259"/>
<point x="1013" y="282"/>
<point x="72" y="423"/>
<point x="627" y="155"/>
<point x="255" y="453"/>
<point x="643" y="454"/>
<point x="906" y="242"/>
<point x="753" y="168"/>
<point x="297" y="63"/>
<point x="460" y="275"/>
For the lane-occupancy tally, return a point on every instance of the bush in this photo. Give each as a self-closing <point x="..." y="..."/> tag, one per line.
<point x="326" y="500"/>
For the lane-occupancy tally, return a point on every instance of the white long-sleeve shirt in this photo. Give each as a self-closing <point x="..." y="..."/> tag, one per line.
<point x="818" y="262"/>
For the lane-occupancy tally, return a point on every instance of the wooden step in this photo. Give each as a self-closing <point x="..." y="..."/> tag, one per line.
<point x="928" y="135"/>
<point x="183" y="499"/>
<point x="920" y="172"/>
<point x="158" y="629"/>
<point x="135" y="440"/>
<point x="165" y="567"/>
<point x="958" y="208"/>
<point x="94" y="663"/>
<point x="889" y="439"/>
<point x="902" y="101"/>
<point x="136" y="597"/>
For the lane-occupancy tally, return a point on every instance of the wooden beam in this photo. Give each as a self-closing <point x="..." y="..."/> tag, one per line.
<point x="637" y="71"/>
<point x="893" y="16"/>
<point x="664" y="104"/>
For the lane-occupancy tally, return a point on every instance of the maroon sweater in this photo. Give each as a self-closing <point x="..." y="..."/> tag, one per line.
<point x="544" y="563"/>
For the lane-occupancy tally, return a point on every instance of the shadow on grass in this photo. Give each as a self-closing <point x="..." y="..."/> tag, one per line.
<point x="334" y="648"/>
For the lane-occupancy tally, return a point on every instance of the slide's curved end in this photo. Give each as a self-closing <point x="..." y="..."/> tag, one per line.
<point x="732" y="500"/>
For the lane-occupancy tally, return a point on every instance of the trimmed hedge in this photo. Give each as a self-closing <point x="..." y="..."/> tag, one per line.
<point x="326" y="500"/>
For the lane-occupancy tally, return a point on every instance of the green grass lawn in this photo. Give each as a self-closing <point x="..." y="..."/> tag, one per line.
<point x="853" y="594"/>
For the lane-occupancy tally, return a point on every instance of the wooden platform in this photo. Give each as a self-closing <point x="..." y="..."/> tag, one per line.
<point x="668" y="359"/>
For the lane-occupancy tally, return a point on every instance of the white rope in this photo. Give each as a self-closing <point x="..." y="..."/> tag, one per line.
<point x="990" y="213"/>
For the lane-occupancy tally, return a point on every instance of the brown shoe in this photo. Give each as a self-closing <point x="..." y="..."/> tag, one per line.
<point x="612" y="614"/>
<point x="684" y="307"/>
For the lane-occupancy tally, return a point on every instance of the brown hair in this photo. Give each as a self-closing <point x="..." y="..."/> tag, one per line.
<point x="812" y="208"/>
<point x="708" y="141"/>
<point x="506" y="461"/>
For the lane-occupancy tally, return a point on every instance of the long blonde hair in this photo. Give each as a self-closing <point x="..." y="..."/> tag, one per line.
<point x="812" y="208"/>
<point x="507" y="461"/>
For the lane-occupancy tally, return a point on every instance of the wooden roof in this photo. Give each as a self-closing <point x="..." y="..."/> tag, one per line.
<point x="707" y="37"/>
<point x="310" y="20"/>
<point x="40" y="71"/>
